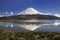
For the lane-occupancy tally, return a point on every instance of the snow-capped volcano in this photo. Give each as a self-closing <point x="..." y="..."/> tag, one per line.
<point x="29" y="11"/>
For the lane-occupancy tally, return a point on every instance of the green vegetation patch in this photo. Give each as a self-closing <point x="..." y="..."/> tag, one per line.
<point x="28" y="35"/>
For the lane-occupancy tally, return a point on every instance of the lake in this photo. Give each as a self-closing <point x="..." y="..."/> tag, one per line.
<point x="47" y="25"/>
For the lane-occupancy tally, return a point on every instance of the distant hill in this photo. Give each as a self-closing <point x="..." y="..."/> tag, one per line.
<point x="24" y="17"/>
<point x="30" y="13"/>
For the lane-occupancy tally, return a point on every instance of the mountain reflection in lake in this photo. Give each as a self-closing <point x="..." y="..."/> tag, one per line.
<point x="53" y="26"/>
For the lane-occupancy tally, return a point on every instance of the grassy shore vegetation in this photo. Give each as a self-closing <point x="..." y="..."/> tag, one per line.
<point x="28" y="35"/>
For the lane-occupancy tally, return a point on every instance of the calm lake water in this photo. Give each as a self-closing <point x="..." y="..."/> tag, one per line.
<point x="53" y="26"/>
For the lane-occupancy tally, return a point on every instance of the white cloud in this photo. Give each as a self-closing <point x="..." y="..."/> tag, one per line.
<point x="11" y="13"/>
<point x="7" y="14"/>
<point x="1" y="15"/>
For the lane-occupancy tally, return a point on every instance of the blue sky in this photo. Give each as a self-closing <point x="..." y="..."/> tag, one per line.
<point x="52" y="6"/>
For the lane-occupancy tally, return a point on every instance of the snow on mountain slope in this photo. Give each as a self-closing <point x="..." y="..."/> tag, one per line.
<point x="57" y="15"/>
<point x="29" y="11"/>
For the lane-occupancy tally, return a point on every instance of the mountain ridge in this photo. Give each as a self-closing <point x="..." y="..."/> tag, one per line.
<point x="30" y="13"/>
